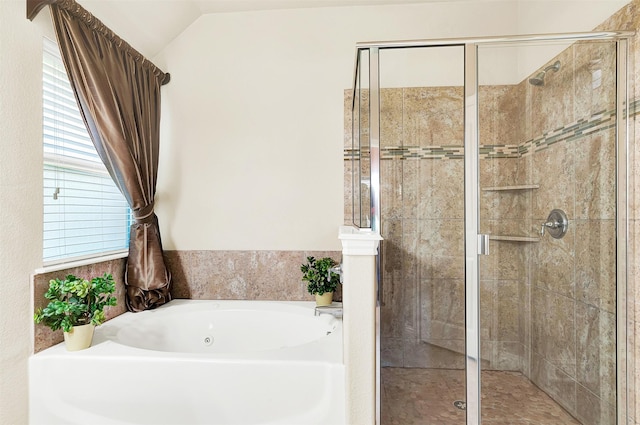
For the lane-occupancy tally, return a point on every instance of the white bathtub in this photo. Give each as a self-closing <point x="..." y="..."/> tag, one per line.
<point x="197" y="362"/>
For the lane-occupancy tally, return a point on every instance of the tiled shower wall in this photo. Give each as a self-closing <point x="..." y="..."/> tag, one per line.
<point x="548" y="307"/>
<point x="409" y="222"/>
<point x="422" y="205"/>
<point x="570" y="339"/>
<point x="422" y="210"/>
<point x="567" y="147"/>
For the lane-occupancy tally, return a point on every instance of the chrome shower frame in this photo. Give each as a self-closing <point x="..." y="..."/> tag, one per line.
<point x="472" y="198"/>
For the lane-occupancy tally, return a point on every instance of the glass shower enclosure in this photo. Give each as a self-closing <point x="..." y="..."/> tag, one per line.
<point x="495" y="170"/>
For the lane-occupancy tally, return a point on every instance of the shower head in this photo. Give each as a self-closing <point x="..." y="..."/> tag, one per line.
<point x="538" y="79"/>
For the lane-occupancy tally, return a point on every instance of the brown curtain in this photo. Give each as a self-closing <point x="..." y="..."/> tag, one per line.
<point x="118" y="92"/>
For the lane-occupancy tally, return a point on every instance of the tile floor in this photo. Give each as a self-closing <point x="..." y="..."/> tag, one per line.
<point x="426" y="396"/>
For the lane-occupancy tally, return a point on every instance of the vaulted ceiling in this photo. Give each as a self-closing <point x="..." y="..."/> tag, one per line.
<point x="149" y="25"/>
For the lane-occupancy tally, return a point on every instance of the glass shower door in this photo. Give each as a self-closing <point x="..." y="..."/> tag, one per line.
<point x="422" y="223"/>
<point x="547" y="289"/>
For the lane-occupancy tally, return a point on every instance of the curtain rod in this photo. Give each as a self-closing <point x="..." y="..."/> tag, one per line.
<point x="35" y="6"/>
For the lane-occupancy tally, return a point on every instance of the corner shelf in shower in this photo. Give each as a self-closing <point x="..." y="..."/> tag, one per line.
<point x="513" y="238"/>
<point x="514" y="187"/>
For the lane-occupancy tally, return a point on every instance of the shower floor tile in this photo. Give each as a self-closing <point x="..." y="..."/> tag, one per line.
<point x="426" y="396"/>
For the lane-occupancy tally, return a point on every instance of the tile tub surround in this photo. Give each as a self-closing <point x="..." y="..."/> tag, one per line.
<point x="230" y="275"/>
<point x="242" y="275"/>
<point x="45" y="337"/>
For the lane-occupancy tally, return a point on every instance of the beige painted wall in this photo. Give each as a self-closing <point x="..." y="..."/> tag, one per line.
<point x="252" y="119"/>
<point x="550" y="16"/>
<point x="20" y="196"/>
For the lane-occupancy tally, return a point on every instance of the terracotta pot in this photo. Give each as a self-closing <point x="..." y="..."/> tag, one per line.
<point x="324" y="299"/>
<point x="79" y="337"/>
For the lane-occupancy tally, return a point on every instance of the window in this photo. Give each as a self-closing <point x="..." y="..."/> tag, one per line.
<point x="85" y="215"/>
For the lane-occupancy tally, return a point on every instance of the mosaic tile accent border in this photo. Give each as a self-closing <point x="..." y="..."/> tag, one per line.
<point x="416" y="152"/>
<point x="499" y="151"/>
<point x="409" y="152"/>
<point x="600" y="121"/>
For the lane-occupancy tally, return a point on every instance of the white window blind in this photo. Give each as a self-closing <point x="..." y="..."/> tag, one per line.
<point x="85" y="215"/>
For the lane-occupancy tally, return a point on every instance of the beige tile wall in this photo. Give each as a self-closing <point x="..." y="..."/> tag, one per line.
<point x="570" y="337"/>
<point x="422" y="204"/>
<point x="241" y="275"/>
<point x="43" y="336"/>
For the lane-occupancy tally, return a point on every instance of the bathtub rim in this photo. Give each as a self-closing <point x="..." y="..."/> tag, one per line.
<point x="327" y="350"/>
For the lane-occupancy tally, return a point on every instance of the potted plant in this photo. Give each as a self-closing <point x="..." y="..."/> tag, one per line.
<point x="76" y="305"/>
<point x="321" y="280"/>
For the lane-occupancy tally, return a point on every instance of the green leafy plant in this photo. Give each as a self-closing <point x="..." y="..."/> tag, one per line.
<point x="75" y="301"/>
<point x="318" y="275"/>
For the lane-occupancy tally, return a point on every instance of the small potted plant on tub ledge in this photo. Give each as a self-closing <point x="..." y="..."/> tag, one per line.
<point x="321" y="280"/>
<point x="76" y="306"/>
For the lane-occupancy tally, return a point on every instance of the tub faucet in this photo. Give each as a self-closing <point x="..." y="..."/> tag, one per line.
<point x="334" y="309"/>
<point x="337" y="270"/>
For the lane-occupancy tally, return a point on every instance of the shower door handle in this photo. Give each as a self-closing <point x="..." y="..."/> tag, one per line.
<point x="483" y="244"/>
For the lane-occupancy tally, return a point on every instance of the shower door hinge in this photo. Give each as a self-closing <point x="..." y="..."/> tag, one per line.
<point x="483" y="244"/>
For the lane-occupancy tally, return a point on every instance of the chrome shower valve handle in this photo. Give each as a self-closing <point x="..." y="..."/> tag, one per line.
<point x="556" y="224"/>
<point x="550" y="225"/>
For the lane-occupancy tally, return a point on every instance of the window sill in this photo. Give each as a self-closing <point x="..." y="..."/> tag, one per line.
<point x="47" y="268"/>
